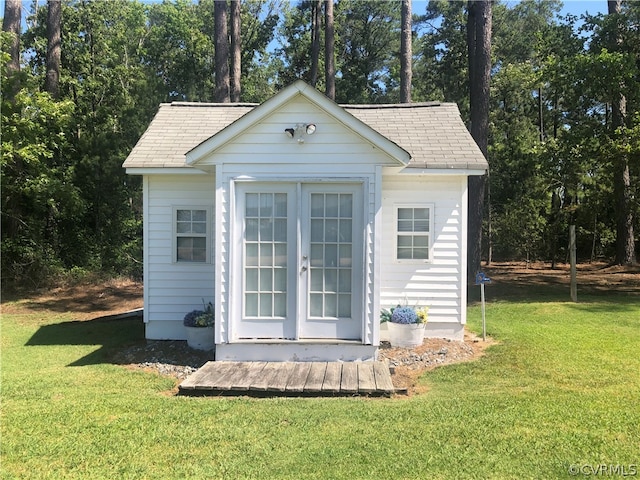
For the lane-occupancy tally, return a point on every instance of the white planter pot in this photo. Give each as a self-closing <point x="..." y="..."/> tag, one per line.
<point x="406" y="335"/>
<point x="200" y="338"/>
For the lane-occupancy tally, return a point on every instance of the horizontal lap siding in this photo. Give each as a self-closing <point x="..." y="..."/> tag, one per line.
<point x="175" y="288"/>
<point x="333" y="148"/>
<point x="265" y="152"/>
<point x="437" y="284"/>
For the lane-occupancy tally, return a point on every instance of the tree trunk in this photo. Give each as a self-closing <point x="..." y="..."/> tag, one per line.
<point x="405" y="53"/>
<point x="329" y="54"/>
<point x="316" y="25"/>
<point x="236" y="49"/>
<point x="479" y="47"/>
<point x="54" y="18"/>
<point x="625" y="244"/>
<point x="221" y="93"/>
<point x="11" y="24"/>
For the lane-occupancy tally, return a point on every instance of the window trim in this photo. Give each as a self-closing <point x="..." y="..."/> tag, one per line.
<point x="429" y="234"/>
<point x="174" y="234"/>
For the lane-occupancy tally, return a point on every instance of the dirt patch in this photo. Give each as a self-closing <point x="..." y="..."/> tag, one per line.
<point x="85" y="301"/>
<point x="521" y="280"/>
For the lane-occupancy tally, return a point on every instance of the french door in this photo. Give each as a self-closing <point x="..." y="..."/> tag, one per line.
<point x="299" y="252"/>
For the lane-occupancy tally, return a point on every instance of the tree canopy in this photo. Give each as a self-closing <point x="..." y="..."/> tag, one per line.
<point x="563" y="131"/>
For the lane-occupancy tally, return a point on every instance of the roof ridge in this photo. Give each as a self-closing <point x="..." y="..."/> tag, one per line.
<point x="210" y="104"/>
<point x="373" y="106"/>
<point x="396" y="105"/>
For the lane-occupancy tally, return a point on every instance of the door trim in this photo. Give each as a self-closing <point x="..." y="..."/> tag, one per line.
<point x="235" y="262"/>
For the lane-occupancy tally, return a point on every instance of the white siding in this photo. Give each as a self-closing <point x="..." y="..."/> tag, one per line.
<point x="173" y="289"/>
<point x="264" y="152"/>
<point x="332" y="148"/>
<point x="440" y="283"/>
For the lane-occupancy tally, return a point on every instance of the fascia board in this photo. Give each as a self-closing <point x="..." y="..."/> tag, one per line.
<point x="434" y="171"/>
<point x="165" y="171"/>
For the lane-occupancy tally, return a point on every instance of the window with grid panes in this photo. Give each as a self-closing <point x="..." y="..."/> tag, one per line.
<point x="413" y="235"/>
<point x="191" y="235"/>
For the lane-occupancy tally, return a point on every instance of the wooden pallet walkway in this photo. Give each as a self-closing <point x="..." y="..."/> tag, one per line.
<point x="289" y="379"/>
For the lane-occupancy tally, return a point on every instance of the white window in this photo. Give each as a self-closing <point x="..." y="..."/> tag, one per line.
<point x="191" y="228"/>
<point x="413" y="232"/>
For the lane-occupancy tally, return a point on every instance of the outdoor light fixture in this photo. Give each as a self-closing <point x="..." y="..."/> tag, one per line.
<point x="299" y="130"/>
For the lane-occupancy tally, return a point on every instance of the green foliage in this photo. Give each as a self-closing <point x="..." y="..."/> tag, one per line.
<point x="442" y="67"/>
<point x="554" y="150"/>
<point x="366" y="46"/>
<point x="39" y="198"/>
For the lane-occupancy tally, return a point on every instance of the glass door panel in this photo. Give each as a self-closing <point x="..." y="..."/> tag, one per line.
<point x="298" y="261"/>
<point x="331" y="302"/>
<point x="266" y="215"/>
<point x="265" y="250"/>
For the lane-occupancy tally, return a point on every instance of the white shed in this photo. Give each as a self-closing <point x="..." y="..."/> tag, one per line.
<point x="299" y="219"/>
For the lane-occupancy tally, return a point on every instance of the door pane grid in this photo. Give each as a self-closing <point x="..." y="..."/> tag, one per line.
<point x="330" y="259"/>
<point x="265" y="250"/>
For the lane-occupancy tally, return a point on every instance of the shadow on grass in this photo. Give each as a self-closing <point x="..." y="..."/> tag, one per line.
<point x="112" y="334"/>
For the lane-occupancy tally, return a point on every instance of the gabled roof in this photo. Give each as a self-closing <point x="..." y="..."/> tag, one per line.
<point x="420" y="135"/>
<point x="296" y="89"/>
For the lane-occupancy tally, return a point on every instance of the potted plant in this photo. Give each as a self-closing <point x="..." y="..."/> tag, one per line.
<point x="406" y="325"/>
<point x="199" y="327"/>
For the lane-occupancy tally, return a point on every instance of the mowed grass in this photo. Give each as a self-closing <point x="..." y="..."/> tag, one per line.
<point x="560" y="391"/>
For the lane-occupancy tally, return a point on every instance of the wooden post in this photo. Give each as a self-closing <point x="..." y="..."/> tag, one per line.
<point x="484" y="322"/>
<point x="572" y="256"/>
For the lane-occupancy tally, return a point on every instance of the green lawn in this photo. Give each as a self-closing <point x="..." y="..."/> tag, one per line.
<point x="560" y="391"/>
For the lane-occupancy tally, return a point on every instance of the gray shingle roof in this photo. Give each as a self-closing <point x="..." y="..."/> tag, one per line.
<point x="432" y="133"/>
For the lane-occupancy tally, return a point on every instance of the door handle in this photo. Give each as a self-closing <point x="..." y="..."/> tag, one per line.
<point x="303" y="268"/>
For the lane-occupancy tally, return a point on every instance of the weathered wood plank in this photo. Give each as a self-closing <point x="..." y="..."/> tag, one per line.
<point x="383" y="377"/>
<point x="233" y="376"/>
<point x="291" y="377"/>
<point x="193" y="380"/>
<point x="279" y="382"/>
<point x="315" y="379"/>
<point x="349" y="379"/>
<point x="332" y="377"/>
<point x="298" y="377"/>
<point x="254" y="372"/>
<point x="213" y="372"/>
<point x="266" y="377"/>
<point x="366" y="379"/>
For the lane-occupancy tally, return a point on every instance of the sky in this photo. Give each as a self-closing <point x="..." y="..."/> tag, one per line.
<point x="573" y="7"/>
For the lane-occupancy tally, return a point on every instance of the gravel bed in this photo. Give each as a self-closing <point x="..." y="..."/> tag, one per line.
<point x="176" y="359"/>
<point x="173" y="358"/>
<point x="433" y="352"/>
